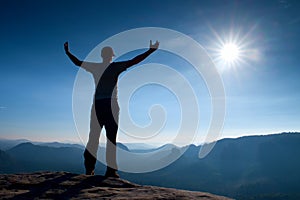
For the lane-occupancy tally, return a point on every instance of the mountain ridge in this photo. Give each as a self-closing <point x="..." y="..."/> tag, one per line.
<point x="252" y="167"/>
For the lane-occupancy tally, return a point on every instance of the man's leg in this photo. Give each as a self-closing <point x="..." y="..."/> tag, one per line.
<point x="90" y="153"/>
<point x="111" y="151"/>
<point x="111" y="128"/>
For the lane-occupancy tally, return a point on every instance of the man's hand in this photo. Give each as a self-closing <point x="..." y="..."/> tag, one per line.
<point x="154" y="46"/>
<point x="66" y="47"/>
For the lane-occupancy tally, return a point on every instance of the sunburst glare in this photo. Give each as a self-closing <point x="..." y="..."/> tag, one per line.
<point x="232" y="50"/>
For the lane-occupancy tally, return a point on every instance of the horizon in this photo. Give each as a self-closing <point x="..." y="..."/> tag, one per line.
<point x="150" y="145"/>
<point x="253" y="45"/>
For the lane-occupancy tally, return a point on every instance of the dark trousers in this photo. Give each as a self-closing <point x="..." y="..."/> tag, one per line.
<point x="107" y="113"/>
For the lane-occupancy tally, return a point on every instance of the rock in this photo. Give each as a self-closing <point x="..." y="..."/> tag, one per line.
<point x="64" y="185"/>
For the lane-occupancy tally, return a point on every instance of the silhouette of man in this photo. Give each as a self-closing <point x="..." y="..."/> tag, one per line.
<point x="105" y="106"/>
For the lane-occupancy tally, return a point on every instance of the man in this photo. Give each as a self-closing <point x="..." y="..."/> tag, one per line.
<point x="105" y="106"/>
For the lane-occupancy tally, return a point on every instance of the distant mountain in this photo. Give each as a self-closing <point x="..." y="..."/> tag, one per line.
<point x="139" y="146"/>
<point x="252" y="167"/>
<point x="58" y="144"/>
<point x="29" y="158"/>
<point x="7" y="144"/>
<point x="6" y="162"/>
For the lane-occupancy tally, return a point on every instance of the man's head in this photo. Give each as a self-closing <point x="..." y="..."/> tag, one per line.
<point x="107" y="53"/>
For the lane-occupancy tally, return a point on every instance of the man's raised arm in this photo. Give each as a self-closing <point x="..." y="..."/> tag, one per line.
<point x="141" y="57"/>
<point x="75" y="60"/>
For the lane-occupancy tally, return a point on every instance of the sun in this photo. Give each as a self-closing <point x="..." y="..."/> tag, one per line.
<point x="230" y="52"/>
<point x="233" y="48"/>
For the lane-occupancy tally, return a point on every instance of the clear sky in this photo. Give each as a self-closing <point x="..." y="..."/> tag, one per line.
<point x="262" y="89"/>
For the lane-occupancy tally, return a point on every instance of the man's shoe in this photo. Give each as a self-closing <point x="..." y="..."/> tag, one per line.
<point x="90" y="172"/>
<point x="89" y="163"/>
<point x="110" y="173"/>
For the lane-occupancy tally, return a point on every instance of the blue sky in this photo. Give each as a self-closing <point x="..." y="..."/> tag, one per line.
<point x="262" y="93"/>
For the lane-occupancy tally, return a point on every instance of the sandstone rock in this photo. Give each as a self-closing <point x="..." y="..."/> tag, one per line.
<point x="64" y="185"/>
